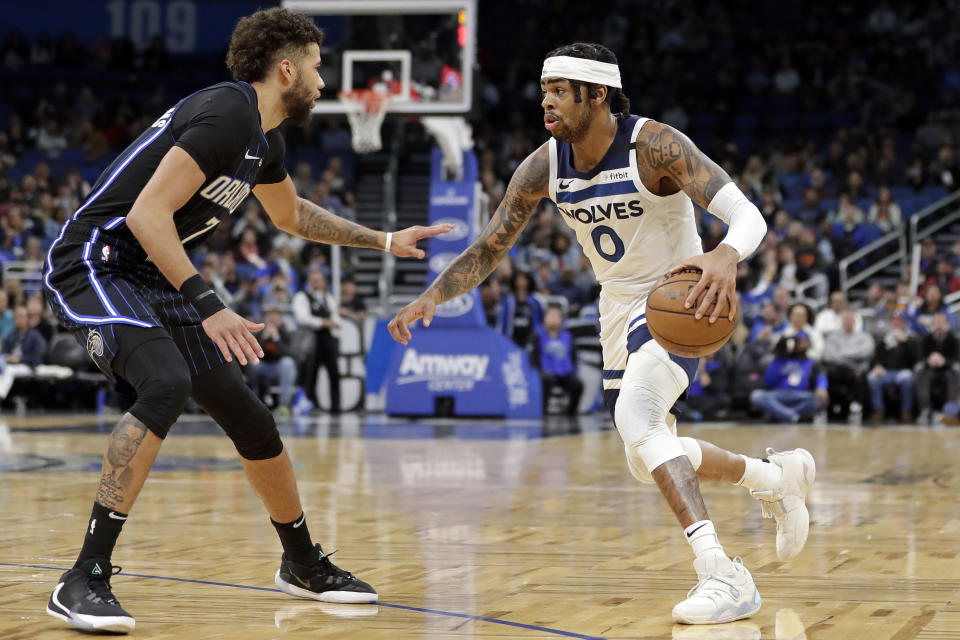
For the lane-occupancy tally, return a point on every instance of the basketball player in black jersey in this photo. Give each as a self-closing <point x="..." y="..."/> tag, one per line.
<point x="119" y="276"/>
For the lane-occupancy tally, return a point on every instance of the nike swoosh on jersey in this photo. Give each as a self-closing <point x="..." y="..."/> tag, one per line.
<point x="247" y="156"/>
<point x="565" y="186"/>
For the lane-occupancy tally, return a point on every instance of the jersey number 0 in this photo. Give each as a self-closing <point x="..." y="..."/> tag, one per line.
<point x="601" y="231"/>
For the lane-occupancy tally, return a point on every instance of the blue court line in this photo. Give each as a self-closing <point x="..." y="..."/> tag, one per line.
<point x="451" y="614"/>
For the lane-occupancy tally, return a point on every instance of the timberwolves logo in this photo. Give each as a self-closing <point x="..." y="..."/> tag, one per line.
<point x="95" y="344"/>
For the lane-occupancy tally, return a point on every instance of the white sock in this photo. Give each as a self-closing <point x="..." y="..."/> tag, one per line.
<point x="759" y="474"/>
<point x="703" y="538"/>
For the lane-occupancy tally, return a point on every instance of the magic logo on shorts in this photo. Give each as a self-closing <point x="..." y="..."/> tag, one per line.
<point x="95" y="343"/>
<point x="226" y="191"/>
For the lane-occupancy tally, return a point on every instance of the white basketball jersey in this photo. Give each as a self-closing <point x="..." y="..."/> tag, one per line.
<point x="631" y="236"/>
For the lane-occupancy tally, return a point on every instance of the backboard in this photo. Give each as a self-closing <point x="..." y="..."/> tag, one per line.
<point x="420" y="51"/>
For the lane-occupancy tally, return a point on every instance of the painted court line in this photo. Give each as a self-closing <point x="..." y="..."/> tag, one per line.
<point x="451" y="614"/>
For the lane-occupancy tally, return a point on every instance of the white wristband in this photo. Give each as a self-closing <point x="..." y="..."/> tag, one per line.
<point x="747" y="227"/>
<point x="386" y="245"/>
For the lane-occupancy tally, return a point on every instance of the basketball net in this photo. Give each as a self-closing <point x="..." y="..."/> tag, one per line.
<point x="366" y="110"/>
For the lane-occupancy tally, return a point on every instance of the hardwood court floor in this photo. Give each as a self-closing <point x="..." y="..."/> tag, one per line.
<point x="487" y="532"/>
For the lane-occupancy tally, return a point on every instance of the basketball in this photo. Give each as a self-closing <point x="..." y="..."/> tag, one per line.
<point x="676" y="328"/>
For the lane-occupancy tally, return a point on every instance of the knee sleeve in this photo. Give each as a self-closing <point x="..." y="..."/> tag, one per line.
<point x="239" y="412"/>
<point x="161" y="391"/>
<point x="639" y="471"/>
<point x="651" y="384"/>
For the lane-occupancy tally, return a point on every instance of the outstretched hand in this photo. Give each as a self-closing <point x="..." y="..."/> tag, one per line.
<point x="718" y="282"/>
<point x="232" y="333"/>
<point x="404" y="244"/>
<point x="423" y="307"/>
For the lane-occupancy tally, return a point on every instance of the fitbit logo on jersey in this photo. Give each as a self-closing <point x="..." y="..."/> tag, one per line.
<point x="599" y="212"/>
<point x="441" y="371"/>
<point x="227" y="192"/>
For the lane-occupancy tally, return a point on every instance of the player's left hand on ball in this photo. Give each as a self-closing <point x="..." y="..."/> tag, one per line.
<point x="404" y="243"/>
<point x="423" y="307"/>
<point x="718" y="282"/>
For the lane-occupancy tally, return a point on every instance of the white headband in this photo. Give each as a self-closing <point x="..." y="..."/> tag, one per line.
<point x="582" y="69"/>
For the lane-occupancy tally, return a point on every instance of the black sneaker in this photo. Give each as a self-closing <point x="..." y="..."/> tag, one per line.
<point x="83" y="599"/>
<point x="322" y="580"/>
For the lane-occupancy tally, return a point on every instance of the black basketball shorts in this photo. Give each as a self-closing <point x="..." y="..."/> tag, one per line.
<point x="96" y="284"/>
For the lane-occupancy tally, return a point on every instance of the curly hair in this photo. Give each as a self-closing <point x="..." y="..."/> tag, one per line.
<point x="260" y="40"/>
<point x="619" y="102"/>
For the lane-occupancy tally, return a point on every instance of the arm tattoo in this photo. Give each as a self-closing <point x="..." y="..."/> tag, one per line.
<point x="117" y="472"/>
<point x="678" y="484"/>
<point x="664" y="152"/>
<point x="527" y="187"/>
<point x="317" y="224"/>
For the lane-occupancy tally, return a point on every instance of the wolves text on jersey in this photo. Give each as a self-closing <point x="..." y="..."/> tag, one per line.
<point x="600" y="212"/>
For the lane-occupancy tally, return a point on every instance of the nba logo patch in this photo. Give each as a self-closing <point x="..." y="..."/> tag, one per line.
<point x="105" y="253"/>
<point x="95" y="343"/>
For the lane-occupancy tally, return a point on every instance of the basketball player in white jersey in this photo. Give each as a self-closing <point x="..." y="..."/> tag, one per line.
<point x="624" y="184"/>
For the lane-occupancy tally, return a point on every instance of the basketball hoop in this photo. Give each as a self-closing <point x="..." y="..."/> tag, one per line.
<point x="365" y="110"/>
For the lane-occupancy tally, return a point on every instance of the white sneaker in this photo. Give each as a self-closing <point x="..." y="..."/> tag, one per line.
<point x="786" y="501"/>
<point x="725" y="593"/>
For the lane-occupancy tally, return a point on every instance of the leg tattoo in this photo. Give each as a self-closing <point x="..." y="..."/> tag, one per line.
<point x="678" y="484"/>
<point x="117" y="472"/>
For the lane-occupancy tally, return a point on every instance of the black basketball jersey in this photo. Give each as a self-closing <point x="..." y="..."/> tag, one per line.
<point x="219" y="127"/>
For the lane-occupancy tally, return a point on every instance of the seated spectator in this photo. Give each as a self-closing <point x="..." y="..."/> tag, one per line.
<point x="875" y="298"/>
<point x="276" y="366"/>
<point x="808" y="256"/>
<point x="492" y="303"/>
<point x="811" y="211"/>
<point x="847" y="356"/>
<point x="770" y="324"/>
<point x="938" y="367"/>
<point x="799" y="319"/>
<point x="928" y="257"/>
<point x="24" y="345"/>
<point x="794" y="385"/>
<point x="884" y="212"/>
<point x="522" y="313"/>
<point x="847" y="212"/>
<point x="351" y="305"/>
<point x="922" y="317"/>
<point x="945" y="278"/>
<point x="553" y="354"/>
<point x="563" y="255"/>
<point x="36" y="316"/>
<point x="893" y="362"/>
<point x="846" y="234"/>
<point x="707" y="396"/>
<point x="246" y="300"/>
<point x="788" y="266"/>
<point x="829" y="319"/>
<point x="878" y="323"/>
<point x="566" y="286"/>
<point x="6" y="317"/>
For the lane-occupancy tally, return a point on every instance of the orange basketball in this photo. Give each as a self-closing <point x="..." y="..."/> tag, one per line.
<point x="676" y="328"/>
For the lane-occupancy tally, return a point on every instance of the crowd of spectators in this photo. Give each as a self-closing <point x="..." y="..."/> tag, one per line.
<point x="839" y="123"/>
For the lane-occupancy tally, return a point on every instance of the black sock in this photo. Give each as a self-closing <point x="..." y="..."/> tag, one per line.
<point x="295" y="538"/>
<point x="102" y="532"/>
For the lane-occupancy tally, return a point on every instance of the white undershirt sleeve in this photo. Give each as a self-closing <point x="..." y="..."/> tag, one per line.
<point x="747" y="227"/>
